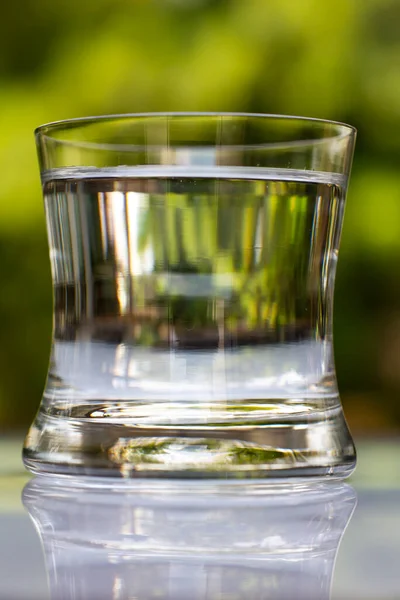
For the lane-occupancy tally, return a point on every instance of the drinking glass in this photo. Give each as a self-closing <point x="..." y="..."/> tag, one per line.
<point x="193" y="262"/>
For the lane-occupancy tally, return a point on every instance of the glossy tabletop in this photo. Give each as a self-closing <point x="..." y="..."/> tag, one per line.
<point x="70" y="540"/>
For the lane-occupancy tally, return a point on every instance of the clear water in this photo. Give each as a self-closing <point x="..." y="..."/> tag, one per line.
<point x="193" y="321"/>
<point x="191" y="293"/>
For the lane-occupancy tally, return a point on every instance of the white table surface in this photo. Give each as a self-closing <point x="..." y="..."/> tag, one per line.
<point x="221" y="549"/>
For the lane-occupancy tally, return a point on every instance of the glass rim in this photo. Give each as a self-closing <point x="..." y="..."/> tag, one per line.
<point x="343" y="129"/>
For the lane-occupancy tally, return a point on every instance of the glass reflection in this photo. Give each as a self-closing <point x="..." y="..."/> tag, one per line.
<point x="188" y="541"/>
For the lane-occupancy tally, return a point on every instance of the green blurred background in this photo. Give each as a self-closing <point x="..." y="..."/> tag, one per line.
<point x="337" y="59"/>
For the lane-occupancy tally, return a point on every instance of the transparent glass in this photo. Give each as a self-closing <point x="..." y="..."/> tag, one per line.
<point x="193" y="260"/>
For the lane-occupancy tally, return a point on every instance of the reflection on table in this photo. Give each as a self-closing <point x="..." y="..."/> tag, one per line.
<point x="188" y="541"/>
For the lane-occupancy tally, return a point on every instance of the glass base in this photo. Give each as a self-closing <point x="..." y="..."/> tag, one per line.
<point x="317" y="445"/>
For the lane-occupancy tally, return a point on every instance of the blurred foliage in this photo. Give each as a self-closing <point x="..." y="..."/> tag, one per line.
<point x="335" y="59"/>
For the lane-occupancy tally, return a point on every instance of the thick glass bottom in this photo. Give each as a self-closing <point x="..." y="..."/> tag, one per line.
<point x="316" y="444"/>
